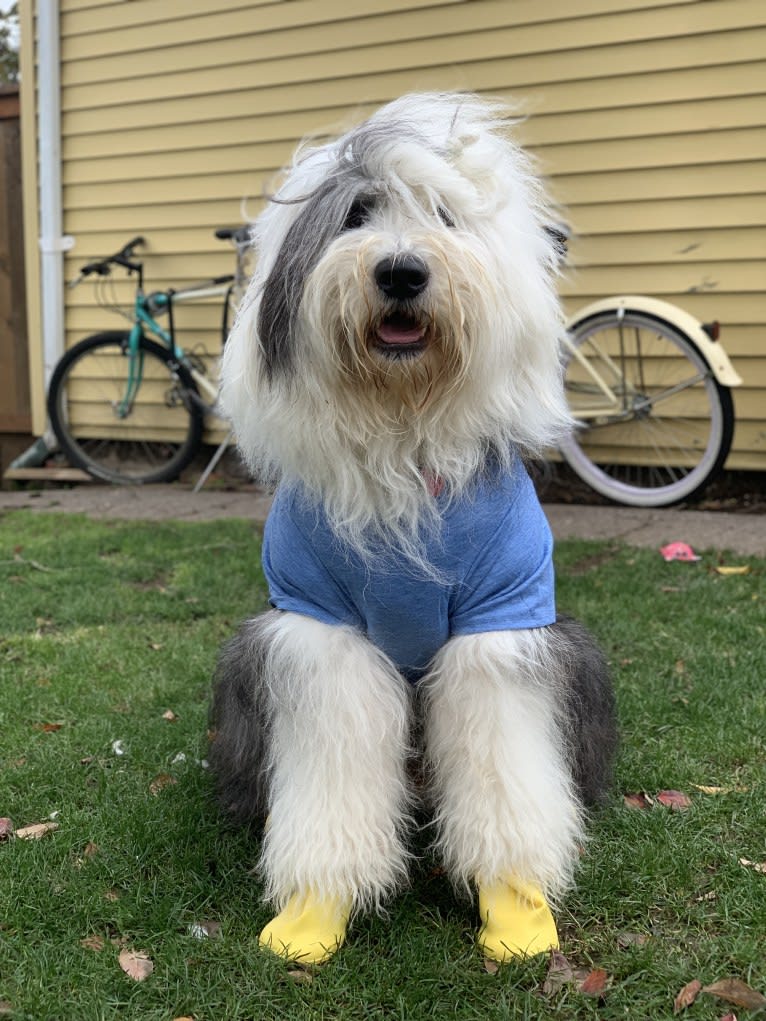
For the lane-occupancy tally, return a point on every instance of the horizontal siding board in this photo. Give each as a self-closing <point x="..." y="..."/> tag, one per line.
<point x="671" y="214"/>
<point x="191" y="20"/>
<point x="668" y="279"/>
<point x="732" y="308"/>
<point x="667" y="246"/>
<point x="230" y="147"/>
<point x="735" y="178"/>
<point x="88" y="135"/>
<point x="420" y="55"/>
<point x="668" y="151"/>
<point x="83" y="18"/>
<point x="248" y="44"/>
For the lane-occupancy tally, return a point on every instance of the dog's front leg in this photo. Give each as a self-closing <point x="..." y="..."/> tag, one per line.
<point x="508" y="813"/>
<point x="335" y="735"/>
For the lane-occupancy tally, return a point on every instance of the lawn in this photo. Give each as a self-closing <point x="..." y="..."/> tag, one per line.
<point x="109" y="635"/>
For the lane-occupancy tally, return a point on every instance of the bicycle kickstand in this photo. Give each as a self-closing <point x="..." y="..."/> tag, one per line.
<point x="213" y="462"/>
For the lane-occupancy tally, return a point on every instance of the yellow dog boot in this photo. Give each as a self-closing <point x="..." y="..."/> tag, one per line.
<point x="308" y="930"/>
<point x="517" y="921"/>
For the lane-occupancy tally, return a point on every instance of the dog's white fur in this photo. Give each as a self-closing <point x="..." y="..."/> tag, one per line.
<point x="320" y="405"/>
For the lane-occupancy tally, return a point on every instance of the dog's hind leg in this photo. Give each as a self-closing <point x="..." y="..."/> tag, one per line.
<point x="335" y="734"/>
<point x="508" y="808"/>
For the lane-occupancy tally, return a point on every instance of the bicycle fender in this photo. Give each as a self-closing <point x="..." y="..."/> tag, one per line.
<point x="711" y="350"/>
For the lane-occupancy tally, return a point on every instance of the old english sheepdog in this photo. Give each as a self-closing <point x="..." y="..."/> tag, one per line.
<point x="394" y="362"/>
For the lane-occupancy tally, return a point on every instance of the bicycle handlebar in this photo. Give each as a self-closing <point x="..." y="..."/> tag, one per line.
<point x="122" y="258"/>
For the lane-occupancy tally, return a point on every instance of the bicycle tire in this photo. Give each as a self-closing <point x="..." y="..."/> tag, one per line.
<point x="672" y="431"/>
<point x="154" y="441"/>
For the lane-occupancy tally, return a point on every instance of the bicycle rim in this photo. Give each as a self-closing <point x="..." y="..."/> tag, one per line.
<point x="664" y="430"/>
<point x="152" y="440"/>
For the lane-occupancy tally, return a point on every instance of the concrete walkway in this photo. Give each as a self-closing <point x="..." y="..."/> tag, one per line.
<point x="739" y="533"/>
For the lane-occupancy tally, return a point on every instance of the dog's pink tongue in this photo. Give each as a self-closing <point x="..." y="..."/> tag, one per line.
<point x="389" y="333"/>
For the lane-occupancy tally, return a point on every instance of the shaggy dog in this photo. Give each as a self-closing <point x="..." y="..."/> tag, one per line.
<point x="394" y="361"/>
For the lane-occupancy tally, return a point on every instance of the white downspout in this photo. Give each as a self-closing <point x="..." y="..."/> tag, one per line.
<point x="52" y="243"/>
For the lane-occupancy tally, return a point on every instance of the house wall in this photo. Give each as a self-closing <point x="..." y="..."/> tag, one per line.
<point x="647" y="116"/>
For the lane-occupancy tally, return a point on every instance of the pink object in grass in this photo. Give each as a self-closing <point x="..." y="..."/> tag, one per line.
<point x="678" y="551"/>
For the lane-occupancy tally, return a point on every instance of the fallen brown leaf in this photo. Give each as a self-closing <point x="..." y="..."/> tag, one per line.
<point x="48" y="728"/>
<point x="491" y="967"/>
<point x="687" y="995"/>
<point x="595" y="983"/>
<point x="160" y="782"/>
<point x="300" y="975"/>
<point x="676" y="800"/>
<point x="559" y="973"/>
<point x="6" y="828"/>
<point x="758" y="866"/>
<point x="632" y="939"/>
<point x="170" y="716"/>
<point x="6" y="1009"/>
<point x="36" y="830"/>
<point x="733" y="990"/>
<point x="135" y="964"/>
<point x="93" y="943"/>
<point x="638" y="800"/>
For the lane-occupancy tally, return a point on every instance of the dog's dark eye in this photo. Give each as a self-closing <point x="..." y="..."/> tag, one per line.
<point x="445" y="217"/>
<point x="358" y="215"/>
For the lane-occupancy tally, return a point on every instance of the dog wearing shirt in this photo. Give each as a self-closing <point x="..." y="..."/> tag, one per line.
<point x="395" y="360"/>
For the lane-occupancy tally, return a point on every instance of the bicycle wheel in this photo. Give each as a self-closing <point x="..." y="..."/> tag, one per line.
<point x="150" y="438"/>
<point x="654" y="424"/>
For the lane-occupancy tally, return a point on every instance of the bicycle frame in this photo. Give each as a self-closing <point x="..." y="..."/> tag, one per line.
<point x="144" y="322"/>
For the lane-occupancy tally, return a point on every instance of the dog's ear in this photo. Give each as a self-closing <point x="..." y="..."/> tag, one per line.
<point x="323" y="216"/>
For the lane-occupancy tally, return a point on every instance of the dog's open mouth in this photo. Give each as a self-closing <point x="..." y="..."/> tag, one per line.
<point x="399" y="335"/>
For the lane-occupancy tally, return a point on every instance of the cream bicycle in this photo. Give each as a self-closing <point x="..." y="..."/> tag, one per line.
<point x="650" y="388"/>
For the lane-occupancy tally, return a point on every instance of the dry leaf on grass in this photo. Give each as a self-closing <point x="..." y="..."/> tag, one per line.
<point x="160" y="782"/>
<point x="170" y="716"/>
<point x="759" y="866"/>
<point x="687" y="995"/>
<point x="733" y="990"/>
<point x="93" y="943"/>
<point x="706" y="789"/>
<point x="36" y="830"/>
<point x="135" y="964"/>
<point x="559" y="973"/>
<point x="6" y="1009"/>
<point x="48" y="728"/>
<point x="639" y="800"/>
<point x="299" y="975"/>
<point x="6" y="828"/>
<point x="491" y="967"/>
<point x="676" y="800"/>
<point x="595" y="983"/>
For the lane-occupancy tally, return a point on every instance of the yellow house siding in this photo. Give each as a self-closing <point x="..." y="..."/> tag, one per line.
<point x="647" y="115"/>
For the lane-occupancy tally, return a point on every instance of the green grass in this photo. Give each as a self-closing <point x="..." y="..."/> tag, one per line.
<point x="106" y="626"/>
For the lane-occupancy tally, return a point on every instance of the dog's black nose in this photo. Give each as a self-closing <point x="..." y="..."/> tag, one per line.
<point x="402" y="278"/>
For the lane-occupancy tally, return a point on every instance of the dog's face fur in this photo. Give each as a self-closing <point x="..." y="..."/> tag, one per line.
<point x="402" y="322"/>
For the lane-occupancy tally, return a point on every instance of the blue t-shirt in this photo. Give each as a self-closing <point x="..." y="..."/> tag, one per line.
<point x="492" y="557"/>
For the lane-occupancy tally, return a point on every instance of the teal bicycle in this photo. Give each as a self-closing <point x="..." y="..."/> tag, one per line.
<point x="129" y="406"/>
